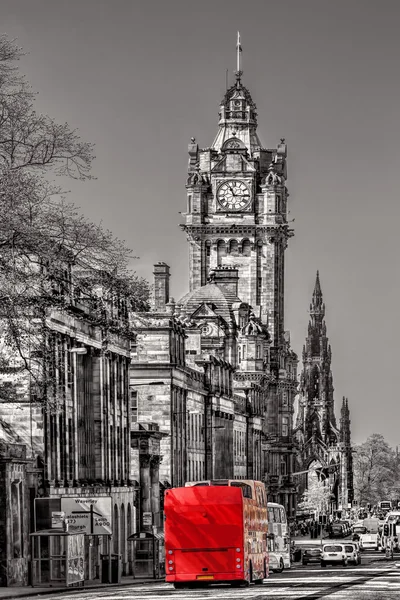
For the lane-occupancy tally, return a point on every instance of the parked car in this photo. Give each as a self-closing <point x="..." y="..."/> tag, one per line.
<point x="345" y="525"/>
<point x="333" y="554"/>
<point x="348" y="525"/>
<point x="353" y="553"/>
<point x="311" y="555"/>
<point x="337" y="530"/>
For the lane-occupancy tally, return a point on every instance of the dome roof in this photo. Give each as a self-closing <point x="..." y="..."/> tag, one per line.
<point x="211" y="293"/>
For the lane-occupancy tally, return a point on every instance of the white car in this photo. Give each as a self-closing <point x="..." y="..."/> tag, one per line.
<point x="369" y="540"/>
<point x="333" y="554"/>
<point x="353" y="553"/>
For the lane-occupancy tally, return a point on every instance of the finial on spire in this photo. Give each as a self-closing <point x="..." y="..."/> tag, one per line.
<point x="317" y="288"/>
<point x="239" y="72"/>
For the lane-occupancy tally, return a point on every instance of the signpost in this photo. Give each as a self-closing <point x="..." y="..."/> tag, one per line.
<point x="91" y="516"/>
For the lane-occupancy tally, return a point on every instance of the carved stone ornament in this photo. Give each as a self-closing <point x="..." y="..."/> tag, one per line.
<point x="273" y="178"/>
<point x="197" y="178"/>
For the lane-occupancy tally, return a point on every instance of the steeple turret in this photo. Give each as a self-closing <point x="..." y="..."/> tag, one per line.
<point x="345" y="422"/>
<point x="237" y="113"/>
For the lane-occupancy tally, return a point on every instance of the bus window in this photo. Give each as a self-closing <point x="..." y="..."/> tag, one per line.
<point x="271" y="516"/>
<point x="220" y="482"/>
<point x="246" y="488"/>
<point x="277" y="515"/>
<point x="283" y="515"/>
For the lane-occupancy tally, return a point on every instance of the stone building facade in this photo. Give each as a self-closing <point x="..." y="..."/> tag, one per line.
<point x="221" y="376"/>
<point x="323" y="446"/>
<point x="78" y="438"/>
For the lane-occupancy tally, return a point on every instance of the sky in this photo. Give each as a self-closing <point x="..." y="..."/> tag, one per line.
<point x="139" y="79"/>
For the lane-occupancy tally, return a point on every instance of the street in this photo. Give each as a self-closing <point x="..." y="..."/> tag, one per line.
<point x="374" y="579"/>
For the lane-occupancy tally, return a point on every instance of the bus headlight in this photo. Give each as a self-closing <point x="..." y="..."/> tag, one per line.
<point x="237" y="549"/>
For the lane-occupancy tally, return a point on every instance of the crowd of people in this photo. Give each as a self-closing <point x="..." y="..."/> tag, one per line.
<point x="311" y="527"/>
<point x="303" y="528"/>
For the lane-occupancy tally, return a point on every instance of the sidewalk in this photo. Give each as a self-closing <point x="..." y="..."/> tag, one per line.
<point x="24" y="592"/>
<point x="306" y="539"/>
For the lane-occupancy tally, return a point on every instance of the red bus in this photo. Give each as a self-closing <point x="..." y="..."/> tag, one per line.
<point x="216" y="532"/>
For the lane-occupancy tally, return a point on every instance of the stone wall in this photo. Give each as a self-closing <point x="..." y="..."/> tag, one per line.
<point x="14" y="516"/>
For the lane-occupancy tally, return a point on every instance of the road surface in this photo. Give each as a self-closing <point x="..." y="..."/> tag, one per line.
<point x="374" y="579"/>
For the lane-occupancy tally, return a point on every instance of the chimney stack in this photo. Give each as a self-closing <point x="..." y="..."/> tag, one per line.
<point x="161" y="286"/>
<point x="226" y="277"/>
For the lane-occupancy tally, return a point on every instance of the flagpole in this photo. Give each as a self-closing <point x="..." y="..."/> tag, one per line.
<point x="238" y="56"/>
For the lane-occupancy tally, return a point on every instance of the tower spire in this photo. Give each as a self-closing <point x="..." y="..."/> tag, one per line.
<point x="317" y="307"/>
<point x="239" y="71"/>
<point x="317" y="287"/>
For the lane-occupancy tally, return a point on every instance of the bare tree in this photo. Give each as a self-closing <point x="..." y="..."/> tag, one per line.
<point x="50" y="255"/>
<point x="375" y="471"/>
<point x="316" y="497"/>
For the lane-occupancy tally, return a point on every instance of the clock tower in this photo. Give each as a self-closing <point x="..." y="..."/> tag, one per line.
<point x="237" y="208"/>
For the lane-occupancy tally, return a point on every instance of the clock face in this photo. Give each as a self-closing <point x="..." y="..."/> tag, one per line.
<point x="233" y="195"/>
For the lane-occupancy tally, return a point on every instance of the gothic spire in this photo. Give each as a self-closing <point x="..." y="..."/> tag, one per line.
<point x="317" y="307"/>
<point x="317" y="287"/>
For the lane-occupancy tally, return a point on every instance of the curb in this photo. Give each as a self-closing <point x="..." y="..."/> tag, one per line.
<point x="75" y="590"/>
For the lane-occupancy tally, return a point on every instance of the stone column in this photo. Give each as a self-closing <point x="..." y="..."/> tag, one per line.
<point x="155" y="489"/>
<point x="145" y="484"/>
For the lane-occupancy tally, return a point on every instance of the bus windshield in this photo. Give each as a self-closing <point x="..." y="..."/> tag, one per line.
<point x="279" y="539"/>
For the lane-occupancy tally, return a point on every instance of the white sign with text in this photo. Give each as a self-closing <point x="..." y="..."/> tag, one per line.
<point x="92" y="516"/>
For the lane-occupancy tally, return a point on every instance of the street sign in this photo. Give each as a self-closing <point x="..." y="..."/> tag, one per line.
<point x="91" y="516"/>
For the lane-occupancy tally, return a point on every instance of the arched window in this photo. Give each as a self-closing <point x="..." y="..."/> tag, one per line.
<point x="234" y="247"/>
<point x="221" y="251"/>
<point x="128" y="532"/>
<point x="246" y="247"/>
<point x="115" y="534"/>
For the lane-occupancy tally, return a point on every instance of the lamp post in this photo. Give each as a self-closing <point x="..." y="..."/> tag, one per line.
<point x="248" y="414"/>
